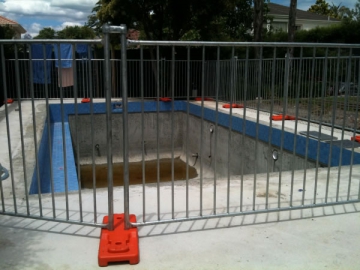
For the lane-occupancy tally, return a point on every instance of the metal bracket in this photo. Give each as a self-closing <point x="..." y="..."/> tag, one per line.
<point x="4" y="173"/>
<point x="109" y="29"/>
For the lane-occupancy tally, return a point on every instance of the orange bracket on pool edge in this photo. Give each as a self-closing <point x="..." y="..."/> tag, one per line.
<point x="205" y="99"/>
<point x="281" y="117"/>
<point x="356" y="139"/>
<point x="85" y="100"/>
<point x="9" y="101"/>
<point x="234" y="105"/>
<point x="119" y="245"/>
<point x="165" y="99"/>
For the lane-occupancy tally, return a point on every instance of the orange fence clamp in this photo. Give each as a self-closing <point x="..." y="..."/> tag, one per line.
<point x="165" y="99"/>
<point x="85" y="100"/>
<point x="356" y="139"/>
<point x="119" y="245"/>
<point x="280" y="117"/>
<point x="9" y="101"/>
<point x="205" y="99"/>
<point x="234" y="105"/>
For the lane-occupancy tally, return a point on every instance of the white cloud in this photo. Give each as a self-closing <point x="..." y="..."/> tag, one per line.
<point x="65" y="24"/>
<point x="34" y="15"/>
<point x="60" y="10"/>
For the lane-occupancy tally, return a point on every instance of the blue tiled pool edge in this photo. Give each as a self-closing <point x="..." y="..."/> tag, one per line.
<point x="56" y="117"/>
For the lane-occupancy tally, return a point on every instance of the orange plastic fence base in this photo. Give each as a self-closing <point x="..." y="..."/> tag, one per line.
<point x="85" y="100"/>
<point x="227" y="106"/>
<point x="119" y="245"/>
<point x="281" y="117"/>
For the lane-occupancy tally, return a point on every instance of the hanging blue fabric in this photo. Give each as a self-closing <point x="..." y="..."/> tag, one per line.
<point x="65" y="53"/>
<point x="37" y="53"/>
<point x="82" y="50"/>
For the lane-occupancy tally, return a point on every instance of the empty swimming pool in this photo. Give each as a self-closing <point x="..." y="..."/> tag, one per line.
<point x="198" y="137"/>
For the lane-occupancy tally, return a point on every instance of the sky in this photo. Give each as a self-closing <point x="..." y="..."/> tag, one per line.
<point x="34" y="15"/>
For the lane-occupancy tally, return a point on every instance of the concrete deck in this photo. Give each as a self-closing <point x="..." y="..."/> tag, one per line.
<point x="318" y="238"/>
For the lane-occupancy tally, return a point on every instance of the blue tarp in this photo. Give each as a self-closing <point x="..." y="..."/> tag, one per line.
<point x="82" y="50"/>
<point x="65" y="53"/>
<point x="37" y="52"/>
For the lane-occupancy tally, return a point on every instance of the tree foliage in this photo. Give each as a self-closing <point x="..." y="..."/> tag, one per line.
<point x="46" y="33"/>
<point x="178" y="20"/>
<point x="69" y="32"/>
<point x="340" y="12"/>
<point x="345" y="32"/>
<point x="6" y="32"/>
<point x="321" y="7"/>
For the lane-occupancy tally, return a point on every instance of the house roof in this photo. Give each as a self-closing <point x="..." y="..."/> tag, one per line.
<point x="17" y="26"/>
<point x="275" y="9"/>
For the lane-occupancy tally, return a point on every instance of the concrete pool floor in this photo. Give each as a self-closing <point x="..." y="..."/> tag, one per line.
<point x="319" y="238"/>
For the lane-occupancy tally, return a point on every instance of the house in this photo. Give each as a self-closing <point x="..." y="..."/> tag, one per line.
<point x="305" y="20"/>
<point x="14" y="25"/>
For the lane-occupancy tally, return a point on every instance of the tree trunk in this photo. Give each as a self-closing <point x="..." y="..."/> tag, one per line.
<point x="291" y="38"/>
<point x="258" y="23"/>
<point x="292" y="24"/>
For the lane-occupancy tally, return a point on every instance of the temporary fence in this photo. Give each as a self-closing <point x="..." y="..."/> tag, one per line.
<point x="260" y="127"/>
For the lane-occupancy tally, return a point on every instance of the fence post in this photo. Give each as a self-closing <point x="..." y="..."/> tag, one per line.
<point x="125" y="125"/>
<point x="107" y="77"/>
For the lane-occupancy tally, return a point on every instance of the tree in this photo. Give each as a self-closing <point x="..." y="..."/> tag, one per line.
<point x="177" y="20"/>
<point x="76" y="32"/>
<point x="69" y="32"/>
<point x="6" y="32"/>
<point x="321" y="7"/>
<point x="258" y="20"/>
<point x="46" y="33"/>
<point x="339" y="12"/>
<point x="292" y="21"/>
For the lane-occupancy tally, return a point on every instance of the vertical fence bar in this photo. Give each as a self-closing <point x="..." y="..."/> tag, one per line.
<point x="31" y="80"/>
<point x="63" y="130"/>
<point x="244" y="128"/>
<point x="13" y="189"/>
<point x="125" y="124"/>
<point x="18" y="91"/>
<point x="157" y="127"/>
<point x="232" y="90"/>
<point x="259" y="66"/>
<point x="49" y="132"/>
<point x="270" y="161"/>
<point x="76" y="127"/>
<point x="216" y="121"/>
<point x="308" y="125"/>
<point x="354" y="132"/>
<point x="107" y="88"/>
<point x="288" y="66"/>
<point x="91" y="96"/>
<point x="142" y="128"/>
<point x="172" y="130"/>
<point x="334" y="106"/>
<point x="347" y="93"/>
<point x="324" y="82"/>
<point x="187" y="128"/>
<point x="202" y="127"/>
<point x="296" y="128"/>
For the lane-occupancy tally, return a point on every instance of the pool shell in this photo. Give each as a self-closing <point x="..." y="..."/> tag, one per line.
<point x="59" y="124"/>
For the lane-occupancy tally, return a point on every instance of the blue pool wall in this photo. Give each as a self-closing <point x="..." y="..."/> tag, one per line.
<point x="59" y="113"/>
